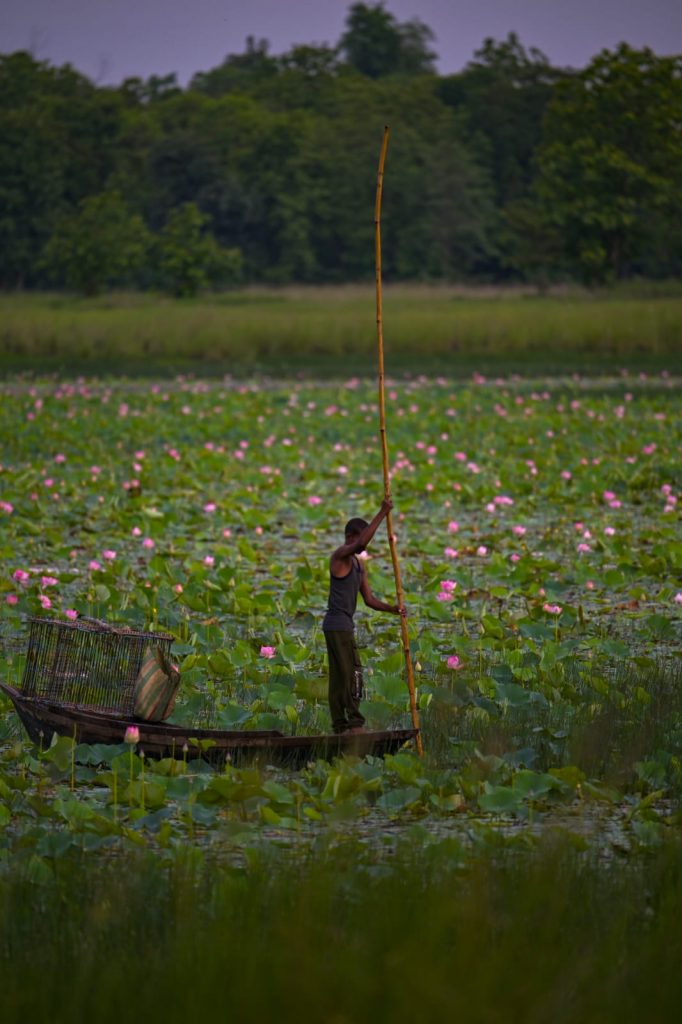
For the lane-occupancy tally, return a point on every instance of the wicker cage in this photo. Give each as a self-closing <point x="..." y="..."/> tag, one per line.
<point x="86" y="663"/>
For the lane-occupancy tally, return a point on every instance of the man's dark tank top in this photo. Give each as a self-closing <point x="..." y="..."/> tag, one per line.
<point x="343" y="599"/>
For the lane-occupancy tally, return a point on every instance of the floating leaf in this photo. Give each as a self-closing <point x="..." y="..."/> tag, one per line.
<point x="500" y="800"/>
<point x="397" y="800"/>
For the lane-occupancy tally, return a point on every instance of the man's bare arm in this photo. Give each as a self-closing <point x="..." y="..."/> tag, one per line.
<point x="363" y="538"/>
<point x="373" y="602"/>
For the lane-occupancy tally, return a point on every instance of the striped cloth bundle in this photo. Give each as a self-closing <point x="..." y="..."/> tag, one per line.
<point x="156" y="686"/>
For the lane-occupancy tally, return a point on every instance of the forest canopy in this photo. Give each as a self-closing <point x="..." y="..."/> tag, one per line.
<point x="263" y="169"/>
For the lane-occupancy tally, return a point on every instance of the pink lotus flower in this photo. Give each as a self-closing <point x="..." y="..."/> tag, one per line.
<point x="448" y="585"/>
<point x="678" y="598"/>
<point x="451" y="553"/>
<point x="71" y="613"/>
<point x="48" y="581"/>
<point x="454" y="662"/>
<point x="209" y="560"/>
<point x="552" y="609"/>
<point x="148" y="543"/>
<point x="6" y="507"/>
<point x="94" y="565"/>
<point x="445" y="595"/>
<point x="108" y="555"/>
<point x="20" y="576"/>
<point x="267" y="652"/>
<point x="481" y="551"/>
<point x="45" y="601"/>
<point x="136" y="531"/>
<point x="514" y="557"/>
<point x="11" y="599"/>
<point x="314" y="500"/>
<point x="453" y="526"/>
<point x="518" y="530"/>
<point x="583" y="548"/>
<point x="609" y="531"/>
<point x="132" y="735"/>
<point x="210" y="506"/>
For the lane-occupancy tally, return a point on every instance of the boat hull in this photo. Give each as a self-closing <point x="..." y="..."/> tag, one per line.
<point x="42" y="719"/>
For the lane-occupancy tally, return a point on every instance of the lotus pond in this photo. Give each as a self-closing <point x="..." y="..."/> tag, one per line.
<point x="538" y="531"/>
<point x="538" y="528"/>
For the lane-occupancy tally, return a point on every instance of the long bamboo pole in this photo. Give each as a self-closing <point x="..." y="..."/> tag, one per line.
<point x="384" y="442"/>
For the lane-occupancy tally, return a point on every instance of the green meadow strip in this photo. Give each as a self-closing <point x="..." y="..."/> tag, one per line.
<point x="304" y="325"/>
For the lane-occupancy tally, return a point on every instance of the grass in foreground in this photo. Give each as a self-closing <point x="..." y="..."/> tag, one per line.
<point x="422" y="935"/>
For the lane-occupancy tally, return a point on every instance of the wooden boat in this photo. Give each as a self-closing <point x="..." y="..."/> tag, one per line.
<point x="43" y="718"/>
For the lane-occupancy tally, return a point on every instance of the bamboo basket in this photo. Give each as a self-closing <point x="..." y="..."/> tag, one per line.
<point x="87" y="663"/>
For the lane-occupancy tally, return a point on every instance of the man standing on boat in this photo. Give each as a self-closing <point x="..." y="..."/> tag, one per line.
<point x="347" y="576"/>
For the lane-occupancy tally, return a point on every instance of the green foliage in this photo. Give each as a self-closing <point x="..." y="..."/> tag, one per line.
<point x="510" y="168"/>
<point x="503" y="94"/>
<point x="103" y="246"/>
<point x="609" y="162"/>
<point x="532" y="245"/>
<point x="375" y="44"/>
<point x="59" y="141"/>
<point x="189" y="258"/>
<point x="238" y="72"/>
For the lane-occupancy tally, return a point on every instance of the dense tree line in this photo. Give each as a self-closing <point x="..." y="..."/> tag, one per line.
<point x="263" y="169"/>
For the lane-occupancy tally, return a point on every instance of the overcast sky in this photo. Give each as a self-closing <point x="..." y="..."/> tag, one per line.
<point x="110" y="40"/>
